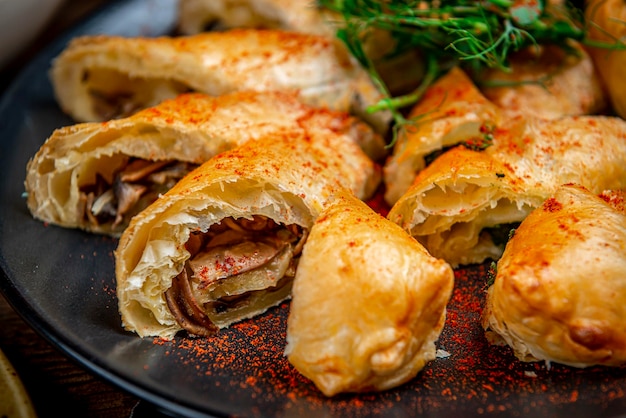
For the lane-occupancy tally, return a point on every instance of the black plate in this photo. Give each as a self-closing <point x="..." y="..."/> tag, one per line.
<point x="62" y="282"/>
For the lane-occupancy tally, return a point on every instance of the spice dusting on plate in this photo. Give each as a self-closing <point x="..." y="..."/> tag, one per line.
<point x="477" y="378"/>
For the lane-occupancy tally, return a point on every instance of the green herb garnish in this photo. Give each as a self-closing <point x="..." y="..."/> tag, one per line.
<point x="470" y="33"/>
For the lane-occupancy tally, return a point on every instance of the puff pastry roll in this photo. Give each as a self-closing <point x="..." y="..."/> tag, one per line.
<point x="297" y="15"/>
<point x="368" y="302"/>
<point x="548" y="82"/>
<point x="96" y="176"/>
<point x="452" y="110"/>
<point x="101" y="77"/>
<point x="559" y="294"/>
<point x="223" y="243"/>
<point x="464" y="202"/>
<point x="400" y="72"/>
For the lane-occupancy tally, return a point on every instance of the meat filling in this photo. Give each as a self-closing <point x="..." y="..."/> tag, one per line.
<point x="134" y="187"/>
<point x="232" y="269"/>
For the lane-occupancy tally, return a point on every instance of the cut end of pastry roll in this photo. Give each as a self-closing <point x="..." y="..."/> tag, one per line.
<point x="465" y="199"/>
<point x="223" y="244"/>
<point x="103" y="77"/>
<point x="96" y="176"/>
<point x="368" y="302"/>
<point x="453" y="110"/>
<point x="560" y="291"/>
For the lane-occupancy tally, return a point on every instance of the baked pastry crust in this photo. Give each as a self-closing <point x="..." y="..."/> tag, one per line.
<point x="608" y="17"/>
<point x="547" y="81"/>
<point x="548" y="84"/>
<point x="559" y="293"/>
<point x="284" y="178"/>
<point x="195" y="16"/>
<point x="101" y="77"/>
<point x="452" y="110"/>
<point x="368" y="302"/>
<point x="189" y="129"/>
<point x="455" y="200"/>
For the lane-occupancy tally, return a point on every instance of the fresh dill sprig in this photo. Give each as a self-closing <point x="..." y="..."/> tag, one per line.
<point x="472" y="33"/>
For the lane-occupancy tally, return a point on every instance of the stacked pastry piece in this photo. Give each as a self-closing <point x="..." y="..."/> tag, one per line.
<point x="214" y="157"/>
<point x="489" y="169"/>
<point x="223" y="244"/>
<point x="103" y="77"/>
<point x="478" y="168"/>
<point x="96" y="176"/>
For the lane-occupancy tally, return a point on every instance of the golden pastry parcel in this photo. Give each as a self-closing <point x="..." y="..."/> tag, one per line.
<point x="222" y="245"/>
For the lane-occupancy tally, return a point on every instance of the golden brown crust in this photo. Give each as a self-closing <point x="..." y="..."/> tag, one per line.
<point x="285" y="177"/>
<point x="368" y="302"/>
<point x="607" y="25"/>
<point x="547" y="82"/>
<point x="559" y="290"/>
<point x="296" y="15"/>
<point x="452" y="110"/>
<point x="97" y="77"/>
<point x="463" y="192"/>
<point x="190" y="128"/>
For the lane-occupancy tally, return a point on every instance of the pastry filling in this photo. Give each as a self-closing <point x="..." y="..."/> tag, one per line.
<point x="116" y="95"/>
<point x="135" y="185"/>
<point x="238" y="268"/>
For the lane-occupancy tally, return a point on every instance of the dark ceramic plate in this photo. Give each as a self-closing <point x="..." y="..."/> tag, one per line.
<point x="62" y="282"/>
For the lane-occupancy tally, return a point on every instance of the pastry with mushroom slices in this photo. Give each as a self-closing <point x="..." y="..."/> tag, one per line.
<point x="102" y="77"/>
<point x="559" y="291"/>
<point x="96" y="176"/>
<point x="368" y="302"/>
<point x="463" y="204"/>
<point x="223" y="244"/>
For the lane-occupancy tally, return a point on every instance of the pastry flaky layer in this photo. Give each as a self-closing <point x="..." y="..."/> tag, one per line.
<point x="452" y="110"/>
<point x="465" y="199"/>
<point x="96" y="176"/>
<point x="368" y="302"/>
<point x="455" y="110"/>
<point x="559" y="294"/>
<point x="298" y="15"/>
<point x="223" y="243"/>
<point x="100" y="77"/>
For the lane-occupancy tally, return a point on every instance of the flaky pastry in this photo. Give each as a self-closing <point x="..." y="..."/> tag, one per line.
<point x="546" y="81"/>
<point x="451" y="111"/>
<point x="297" y="15"/>
<point x="606" y="18"/>
<point x="559" y="294"/>
<point x="465" y="199"/>
<point x="97" y="78"/>
<point x="368" y="302"/>
<point x="96" y="176"/>
<point x="223" y="243"/>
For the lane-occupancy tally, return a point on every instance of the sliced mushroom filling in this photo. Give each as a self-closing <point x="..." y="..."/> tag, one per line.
<point x="135" y="186"/>
<point x="237" y="268"/>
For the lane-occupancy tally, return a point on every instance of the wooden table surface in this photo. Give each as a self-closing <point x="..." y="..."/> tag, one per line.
<point x="57" y="386"/>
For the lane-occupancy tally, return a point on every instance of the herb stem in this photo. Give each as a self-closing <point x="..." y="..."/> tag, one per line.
<point x="432" y="72"/>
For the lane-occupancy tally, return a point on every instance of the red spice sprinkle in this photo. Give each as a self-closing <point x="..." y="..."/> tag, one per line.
<point x="246" y="361"/>
<point x="552" y="205"/>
